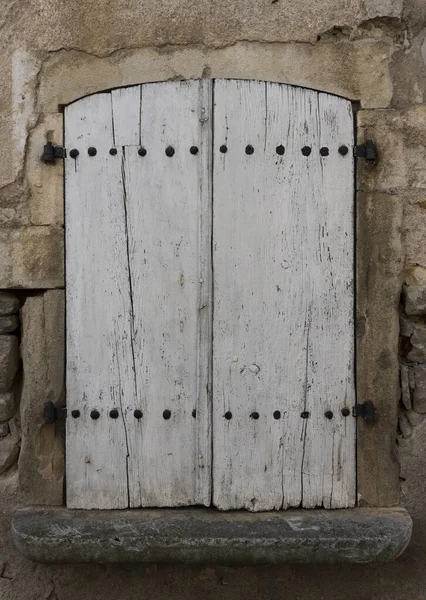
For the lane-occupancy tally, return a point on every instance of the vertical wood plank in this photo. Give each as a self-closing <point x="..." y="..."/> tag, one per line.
<point x="169" y="224"/>
<point x="126" y="114"/>
<point x="329" y="452"/>
<point x="246" y="380"/>
<point x="99" y="359"/>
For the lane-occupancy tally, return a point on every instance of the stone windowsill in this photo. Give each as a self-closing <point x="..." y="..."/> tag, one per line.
<point x="197" y="535"/>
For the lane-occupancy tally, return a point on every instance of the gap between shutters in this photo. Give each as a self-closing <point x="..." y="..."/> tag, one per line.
<point x="132" y="313"/>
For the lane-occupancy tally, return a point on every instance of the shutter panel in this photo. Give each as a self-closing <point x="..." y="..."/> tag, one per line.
<point x="99" y="353"/>
<point x="237" y="257"/>
<point x="138" y="297"/>
<point x="283" y="299"/>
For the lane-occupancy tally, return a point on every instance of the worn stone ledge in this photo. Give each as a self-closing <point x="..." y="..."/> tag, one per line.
<point x="197" y="535"/>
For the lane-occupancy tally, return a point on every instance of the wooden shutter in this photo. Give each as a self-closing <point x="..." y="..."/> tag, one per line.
<point x="283" y="298"/>
<point x="243" y="180"/>
<point x="138" y="297"/>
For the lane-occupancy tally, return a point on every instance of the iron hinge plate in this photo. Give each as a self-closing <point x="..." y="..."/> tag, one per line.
<point x="52" y="413"/>
<point x="51" y="153"/>
<point x="367" y="150"/>
<point x="366" y="410"/>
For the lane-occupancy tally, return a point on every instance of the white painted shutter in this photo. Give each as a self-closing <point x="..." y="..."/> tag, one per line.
<point x="145" y="321"/>
<point x="138" y="308"/>
<point x="283" y="298"/>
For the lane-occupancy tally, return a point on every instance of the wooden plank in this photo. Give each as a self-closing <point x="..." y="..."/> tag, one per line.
<point x="169" y="225"/>
<point x="283" y="328"/>
<point x="99" y="357"/>
<point x="329" y="451"/>
<point x="246" y="451"/>
<point x="126" y="113"/>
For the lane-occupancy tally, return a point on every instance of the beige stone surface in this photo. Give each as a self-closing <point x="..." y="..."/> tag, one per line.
<point x="9" y="448"/>
<point x="400" y="137"/>
<point x="45" y="181"/>
<point x="379" y="268"/>
<point x="8" y="324"/>
<point x="408" y="72"/>
<point x="41" y="461"/>
<point x="107" y="25"/>
<point x="31" y="257"/>
<point x="358" y="70"/>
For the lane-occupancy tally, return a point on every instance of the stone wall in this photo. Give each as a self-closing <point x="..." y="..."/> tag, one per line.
<point x="370" y="51"/>
<point x="9" y="387"/>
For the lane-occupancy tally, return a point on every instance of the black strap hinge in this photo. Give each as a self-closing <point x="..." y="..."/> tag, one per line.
<point x="367" y="150"/>
<point x="52" y="413"/>
<point x="51" y="153"/>
<point x="366" y="410"/>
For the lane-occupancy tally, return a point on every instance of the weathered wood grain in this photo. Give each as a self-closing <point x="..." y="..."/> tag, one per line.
<point x="169" y="226"/>
<point x="126" y="115"/>
<point x="99" y="371"/>
<point x="283" y="299"/>
<point x="150" y="310"/>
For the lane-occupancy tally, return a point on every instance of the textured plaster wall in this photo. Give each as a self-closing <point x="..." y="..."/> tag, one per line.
<point x="371" y="51"/>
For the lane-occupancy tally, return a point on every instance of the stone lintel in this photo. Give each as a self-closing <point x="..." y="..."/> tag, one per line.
<point x="198" y="535"/>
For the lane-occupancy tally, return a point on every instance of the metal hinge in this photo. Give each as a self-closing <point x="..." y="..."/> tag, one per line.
<point x="367" y="150"/>
<point x="366" y="410"/>
<point x="51" y="153"/>
<point x="52" y="413"/>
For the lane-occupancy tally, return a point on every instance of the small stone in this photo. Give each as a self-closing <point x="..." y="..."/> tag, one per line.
<point x="7" y="406"/>
<point x="419" y="394"/>
<point x="9" y="450"/>
<point x="411" y="380"/>
<point x="4" y="429"/>
<point x="9" y="361"/>
<point x="405" y="426"/>
<point x="414" y="417"/>
<point x="9" y="304"/>
<point x="415" y="299"/>
<point x="9" y="323"/>
<point x="405" y="388"/>
<point x="416" y="332"/>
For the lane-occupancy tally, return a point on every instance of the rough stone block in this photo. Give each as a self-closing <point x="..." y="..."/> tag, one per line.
<point x="103" y="28"/>
<point x="400" y="137"/>
<point x="4" y="429"/>
<point x="358" y="70"/>
<point x="415" y="299"/>
<point x="7" y="405"/>
<point x="419" y="394"/>
<point x="31" y="257"/>
<point x="383" y="8"/>
<point x="9" y="449"/>
<point x="41" y="461"/>
<point x="379" y="266"/>
<point x="9" y="304"/>
<point x="9" y="361"/>
<point x="415" y="331"/>
<point x="8" y="324"/>
<point x="405" y="426"/>
<point x="414" y="417"/>
<point x="46" y="202"/>
<point x="414" y="226"/>
<point x="209" y="536"/>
